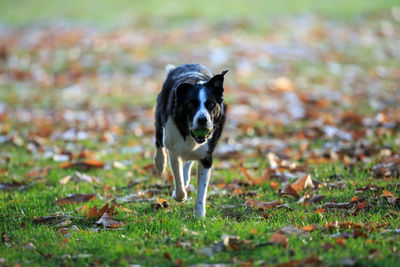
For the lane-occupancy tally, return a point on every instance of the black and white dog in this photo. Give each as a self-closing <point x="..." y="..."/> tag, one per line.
<point x="191" y="101"/>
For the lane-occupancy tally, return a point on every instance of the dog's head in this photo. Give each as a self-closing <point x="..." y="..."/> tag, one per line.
<point x="200" y="105"/>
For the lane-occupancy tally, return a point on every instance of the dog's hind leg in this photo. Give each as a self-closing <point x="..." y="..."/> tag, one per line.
<point x="203" y="179"/>
<point x="186" y="172"/>
<point x="176" y="163"/>
<point x="160" y="159"/>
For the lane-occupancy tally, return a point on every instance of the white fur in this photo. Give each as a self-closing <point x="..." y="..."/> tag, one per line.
<point x="179" y="194"/>
<point x="160" y="160"/>
<point x="202" y="112"/>
<point x="203" y="179"/>
<point x="169" y="68"/>
<point x="186" y="172"/>
<point x="181" y="154"/>
<point x="187" y="149"/>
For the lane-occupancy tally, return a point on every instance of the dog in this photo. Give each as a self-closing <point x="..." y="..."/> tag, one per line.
<point x="189" y="119"/>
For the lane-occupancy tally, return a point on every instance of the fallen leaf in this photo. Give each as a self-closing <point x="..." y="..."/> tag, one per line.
<point x="302" y="183"/>
<point x="274" y="185"/>
<point x="308" y="228"/>
<point x="160" y="204"/>
<point x="291" y="230"/>
<point x="279" y="238"/>
<point x="75" y="198"/>
<point x="342" y="205"/>
<point x="95" y="213"/>
<point x="340" y="241"/>
<point x="54" y="219"/>
<point x="108" y="221"/>
<point x="13" y="185"/>
<point x="387" y="194"/>
<point x="310" y="261"/>
<point x="288" y="190"/>
<point x="316" y="199"/>
<point x="262" y="205"/>
<point x="85" y="164"/>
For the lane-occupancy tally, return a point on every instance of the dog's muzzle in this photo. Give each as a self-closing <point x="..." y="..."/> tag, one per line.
<point x="200" y="135"/>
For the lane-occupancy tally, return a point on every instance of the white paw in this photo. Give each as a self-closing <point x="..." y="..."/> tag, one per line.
<point x="190" y="188"/>
<point x="199" y="210"/>
<point x="160" y="160"/>
<point x="180" y="196"/>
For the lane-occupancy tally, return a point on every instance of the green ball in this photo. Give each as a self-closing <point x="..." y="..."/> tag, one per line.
<point x="201" y="132"/>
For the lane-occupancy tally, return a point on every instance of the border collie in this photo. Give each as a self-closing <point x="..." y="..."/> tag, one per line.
<point x="189" y="118"/>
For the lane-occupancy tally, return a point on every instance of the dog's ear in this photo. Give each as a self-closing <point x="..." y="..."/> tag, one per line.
<point x="181" y="91"/>
<point x="216" y="83"/>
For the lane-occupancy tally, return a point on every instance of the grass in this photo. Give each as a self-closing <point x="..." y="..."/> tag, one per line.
<point x="150" y="233"/>
<point x="17" y="12"/>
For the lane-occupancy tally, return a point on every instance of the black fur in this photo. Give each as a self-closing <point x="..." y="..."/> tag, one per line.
<point x="178" y="100"/>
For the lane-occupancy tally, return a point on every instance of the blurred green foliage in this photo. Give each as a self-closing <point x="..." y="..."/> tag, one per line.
<point x="110" y="12"/>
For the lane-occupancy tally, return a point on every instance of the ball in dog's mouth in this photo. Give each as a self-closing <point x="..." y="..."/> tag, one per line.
<point x="201" y="134"/>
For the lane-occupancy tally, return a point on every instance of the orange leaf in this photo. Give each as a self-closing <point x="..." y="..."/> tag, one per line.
<point x="237" y="191"/>
<point x="93" y="163"/>
<point x="387" y="194"/>
<point x="65" y="165"/>
<point x="302" y="183"/>
<point x="361" y="205"/>
<point x="354" y="199"/>
<point x="288" y="190"/>
<point x="320" y="210"/>
<point x="274" y="185"/>
<point x="92" y="213"/>
<point x="279" y="238"/>
<point x="308" y="228"/>
<point x="340" y="241"/>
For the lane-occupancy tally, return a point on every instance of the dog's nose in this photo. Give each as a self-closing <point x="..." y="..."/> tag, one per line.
<point x="202" y="121"/>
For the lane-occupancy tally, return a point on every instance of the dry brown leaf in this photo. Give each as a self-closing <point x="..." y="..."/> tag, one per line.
<point x="302" y="183"/>
<point x="279" y="238"/>
<point x="340" y="241"/>
<point x="85" y="164"/>
<point x="274" y="185"/>
<point x="309" y="228"/>
<point x="108" y="221"/>
<point x="288" y="190"/>
<point x="75" y="198"/>
<point x="262" y="205"/>
<point x="387" y="194"/>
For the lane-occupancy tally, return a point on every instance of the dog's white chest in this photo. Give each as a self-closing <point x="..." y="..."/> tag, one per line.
<point x="186" y="149"/>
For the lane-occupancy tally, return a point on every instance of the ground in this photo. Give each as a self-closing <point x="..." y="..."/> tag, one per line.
<point x="307" y="170"/>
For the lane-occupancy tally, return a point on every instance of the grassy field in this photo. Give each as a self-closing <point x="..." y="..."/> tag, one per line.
<point x="307" y="171"/>
<point x="110" y="12"/>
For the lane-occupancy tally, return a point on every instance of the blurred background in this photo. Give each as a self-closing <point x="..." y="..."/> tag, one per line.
<point x="92" y="69"/>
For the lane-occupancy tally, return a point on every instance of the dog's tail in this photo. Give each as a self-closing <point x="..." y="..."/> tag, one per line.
<point x="160" y="160"/>
<point x="169" y="68"/>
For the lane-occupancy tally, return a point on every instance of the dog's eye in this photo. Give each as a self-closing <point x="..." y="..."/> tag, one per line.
<point x="210" y="105"/>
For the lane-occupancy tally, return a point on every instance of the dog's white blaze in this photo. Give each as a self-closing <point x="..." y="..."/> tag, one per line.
<point x="202" y="112"/>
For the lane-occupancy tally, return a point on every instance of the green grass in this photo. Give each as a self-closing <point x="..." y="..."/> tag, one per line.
<point x="149" y="233"/>
<point x="121" y="10"/>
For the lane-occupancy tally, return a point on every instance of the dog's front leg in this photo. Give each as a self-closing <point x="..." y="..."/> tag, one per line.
<point x="176" y="163"/>
<point x="203" y="178"/>
<point x="186" y="172"/>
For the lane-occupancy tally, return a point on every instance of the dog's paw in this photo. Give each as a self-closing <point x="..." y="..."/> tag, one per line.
<point x="160" y="160"/>
<point x="199" y="211"/>
<point x="180" y="196"/>
<point x="190" y="188"/>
